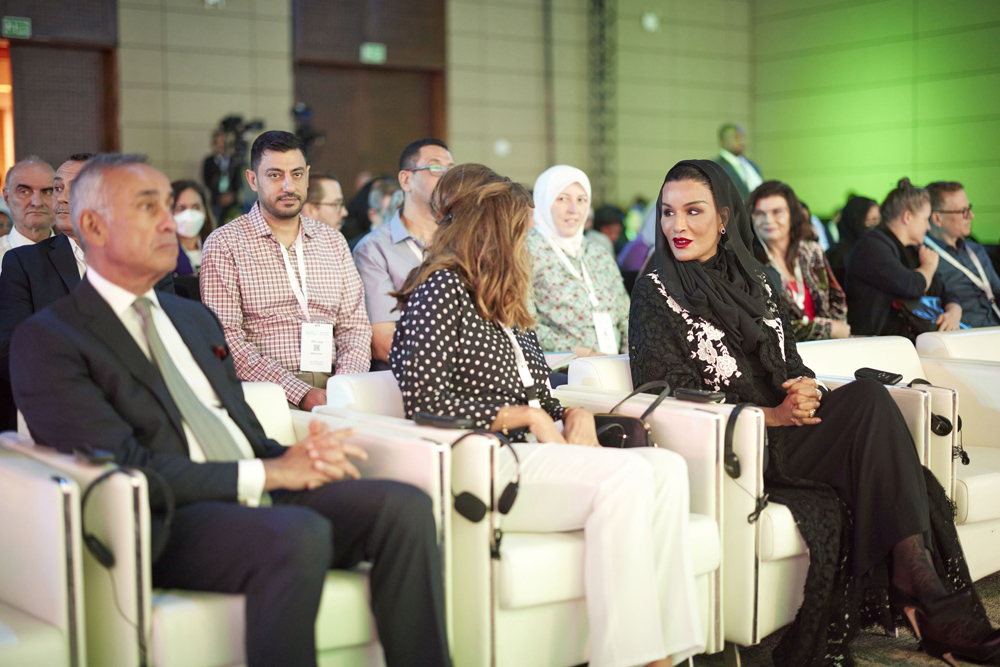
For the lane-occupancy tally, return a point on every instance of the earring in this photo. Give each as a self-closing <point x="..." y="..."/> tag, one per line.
<point x="723" y="230"/>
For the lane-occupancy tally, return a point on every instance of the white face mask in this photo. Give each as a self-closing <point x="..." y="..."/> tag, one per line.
<point x="189" y="222"/>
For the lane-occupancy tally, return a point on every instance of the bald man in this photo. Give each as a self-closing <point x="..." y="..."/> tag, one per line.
<point x="27" y="191"/>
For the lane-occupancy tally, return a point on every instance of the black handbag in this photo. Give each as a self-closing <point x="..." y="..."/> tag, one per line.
<point x="920" y="314"/>
<point x="622" y="431"/>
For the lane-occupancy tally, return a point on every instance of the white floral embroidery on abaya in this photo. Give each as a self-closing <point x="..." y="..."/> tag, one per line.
<point x="711" y="350"/>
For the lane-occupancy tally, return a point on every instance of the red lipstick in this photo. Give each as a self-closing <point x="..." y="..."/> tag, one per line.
<point x="680" y="242"/>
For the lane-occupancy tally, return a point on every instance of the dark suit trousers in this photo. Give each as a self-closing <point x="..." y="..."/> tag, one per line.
<point x="278" y="557"/>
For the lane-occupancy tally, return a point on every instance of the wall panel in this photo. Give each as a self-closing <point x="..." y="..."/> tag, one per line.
<point x="850" y="96"/>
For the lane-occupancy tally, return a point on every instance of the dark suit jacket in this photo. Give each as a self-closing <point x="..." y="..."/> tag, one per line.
<point x="734" y="176"/>
<point x="32" y="277"/>
<point x="82" y="381"/>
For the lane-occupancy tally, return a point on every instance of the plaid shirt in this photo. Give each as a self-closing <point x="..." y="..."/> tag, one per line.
<point x="244" y="281"/>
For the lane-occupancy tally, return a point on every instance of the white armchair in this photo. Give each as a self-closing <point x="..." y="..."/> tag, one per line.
<point x="764" y="564"/>
<point x="528" y="607"/>
<point x="198" y="629"/>
<point x="960" y="386"/>
<point x="41" y="588"/>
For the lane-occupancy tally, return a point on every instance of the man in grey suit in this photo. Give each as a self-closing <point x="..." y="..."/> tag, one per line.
<point x="148" y="376"/>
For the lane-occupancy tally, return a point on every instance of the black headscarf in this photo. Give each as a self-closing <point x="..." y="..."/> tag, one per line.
<point x="852" y="220"/>
<point x="727" y="290"/>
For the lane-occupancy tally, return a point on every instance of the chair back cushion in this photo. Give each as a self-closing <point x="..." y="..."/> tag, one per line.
<point x="375" y="392"/>
<point x="608" y="372"/>
<point x="268" y="402"/>
<point x="978" y="344"/>
<point x="842" y="357"/>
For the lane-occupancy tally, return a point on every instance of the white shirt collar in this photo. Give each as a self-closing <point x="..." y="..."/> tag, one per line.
<point x="17" y="239"/>
<point x="119" y="298"/>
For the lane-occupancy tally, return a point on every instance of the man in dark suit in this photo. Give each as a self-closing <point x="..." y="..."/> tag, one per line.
<point x="33" y="276"/>
<point x="148" y="376"/>
<point x="745" y="175"/>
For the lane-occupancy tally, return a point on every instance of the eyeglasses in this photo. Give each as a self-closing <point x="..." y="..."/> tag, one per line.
<point x="965" y="212"/>
<point x="435" y="169"/>
<point x="335" y="204"/>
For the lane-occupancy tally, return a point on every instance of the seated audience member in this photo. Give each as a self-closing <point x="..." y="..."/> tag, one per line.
<point x="387" y="255"/>
<point x="579" y="296"/>
<point x="325" y="200"/>
<point x="194" y="224"/>
<point x="609" y="223"/>
<point x="38" y="274"/>
<point x="147" y="386"/>
<point x="819" y="231"/>
<point x="815" y="301"/>
<point x="965" y="269"/>
<point x="891" y="263"/>
<point x="464" y="348"/>
<point x="706" y="319"/>
<point x="859" y="216"/>
<point x="283" y="285"/>
<point x="27" y="191"/>
<point x="634" y="257"/>
<point x="5" y="224"/>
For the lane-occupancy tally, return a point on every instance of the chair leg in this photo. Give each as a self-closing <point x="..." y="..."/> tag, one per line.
<point x="731" y="653"/>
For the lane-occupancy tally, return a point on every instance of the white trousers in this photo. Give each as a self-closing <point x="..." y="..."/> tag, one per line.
<point x="633" y="506"/>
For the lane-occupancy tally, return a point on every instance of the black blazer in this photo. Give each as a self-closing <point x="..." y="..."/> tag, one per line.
<point x="32" y="277"/>
<point x="734" y="176"/>
<point x="81" y="380"/>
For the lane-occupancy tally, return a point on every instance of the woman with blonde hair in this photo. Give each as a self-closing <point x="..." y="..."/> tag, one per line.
<point x="464" y="348"/>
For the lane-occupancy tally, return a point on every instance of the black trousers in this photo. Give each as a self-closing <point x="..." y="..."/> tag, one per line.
<point x="278" y="557"/>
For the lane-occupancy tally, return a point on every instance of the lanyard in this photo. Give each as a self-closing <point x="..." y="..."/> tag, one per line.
<point x="415" y="249"/>
<point x="522" y="369"/>
<point x="301" y="293"/>
<point x="591" y="292"/>
<point x="980" y="281"/>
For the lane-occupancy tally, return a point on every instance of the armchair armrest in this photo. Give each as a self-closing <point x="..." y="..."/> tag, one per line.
<point x="978" y="387"/>
<point x="41" y="548"/>
<point x="117" y="514"/>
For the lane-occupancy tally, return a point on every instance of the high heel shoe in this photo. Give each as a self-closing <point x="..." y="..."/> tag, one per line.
<point x="939" y="611"/>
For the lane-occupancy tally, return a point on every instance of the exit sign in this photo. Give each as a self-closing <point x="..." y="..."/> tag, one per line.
<point x="17" y="27"/>
<point x="373" y="53"/>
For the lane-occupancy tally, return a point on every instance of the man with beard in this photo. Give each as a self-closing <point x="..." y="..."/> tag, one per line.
<point x="283" y="285"/>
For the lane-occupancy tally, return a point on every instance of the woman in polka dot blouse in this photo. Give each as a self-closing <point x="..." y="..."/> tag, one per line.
<point x="455" y="352"/>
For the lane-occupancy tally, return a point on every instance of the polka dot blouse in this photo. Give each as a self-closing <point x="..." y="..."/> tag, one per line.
<point x="449" y="361"/>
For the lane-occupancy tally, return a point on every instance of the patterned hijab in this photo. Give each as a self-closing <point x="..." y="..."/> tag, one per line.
<point x="727" y="289"/>
<point x="549" y="186"/>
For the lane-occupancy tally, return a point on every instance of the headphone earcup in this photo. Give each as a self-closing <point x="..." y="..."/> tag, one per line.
<point x="99" y="551"/>
<point x="507" y="498"/>
<point x="470" y="507"/>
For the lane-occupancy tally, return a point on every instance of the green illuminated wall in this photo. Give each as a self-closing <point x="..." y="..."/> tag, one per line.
<point x="851" y="96"/>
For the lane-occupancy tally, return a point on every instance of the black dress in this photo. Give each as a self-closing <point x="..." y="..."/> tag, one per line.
<point x="450" y="361"/>
<point x="853" y="482"/>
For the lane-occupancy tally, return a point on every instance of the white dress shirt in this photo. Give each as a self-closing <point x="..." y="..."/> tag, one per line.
<point x="251" y="477"/>
<point x="81" y="262"/>
<point x="751" y="177"/>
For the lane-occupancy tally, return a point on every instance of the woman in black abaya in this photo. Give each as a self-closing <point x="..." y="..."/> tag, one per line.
<point x="875" y="521"/>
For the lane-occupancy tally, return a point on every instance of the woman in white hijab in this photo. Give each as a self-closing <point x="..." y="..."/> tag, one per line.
<point x="579" y="296"/>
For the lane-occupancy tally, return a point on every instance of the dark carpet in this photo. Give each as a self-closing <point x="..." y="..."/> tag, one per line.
<point x="872" y="648"/>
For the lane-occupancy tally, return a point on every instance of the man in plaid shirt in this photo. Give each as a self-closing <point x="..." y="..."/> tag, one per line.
<point x="283" y="285"/>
